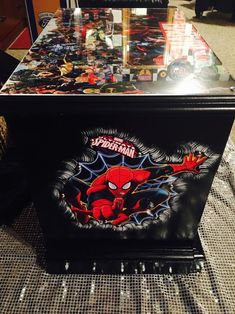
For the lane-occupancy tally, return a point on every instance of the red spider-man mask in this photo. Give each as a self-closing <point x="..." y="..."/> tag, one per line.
<point x="119" y="180"/>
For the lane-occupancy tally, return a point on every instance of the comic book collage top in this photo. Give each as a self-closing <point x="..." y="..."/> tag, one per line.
<point x="120" y="51"/>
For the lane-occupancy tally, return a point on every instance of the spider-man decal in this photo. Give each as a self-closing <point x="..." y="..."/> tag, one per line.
<point x="114" y="196"/>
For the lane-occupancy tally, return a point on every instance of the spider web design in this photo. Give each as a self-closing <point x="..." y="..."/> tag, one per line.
<point x="89" y="171"/>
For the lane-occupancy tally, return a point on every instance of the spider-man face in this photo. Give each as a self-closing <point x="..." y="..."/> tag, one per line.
<point x="119" y="180"/>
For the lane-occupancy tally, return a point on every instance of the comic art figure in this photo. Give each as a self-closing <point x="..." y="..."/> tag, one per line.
<point x="113" y="196"/>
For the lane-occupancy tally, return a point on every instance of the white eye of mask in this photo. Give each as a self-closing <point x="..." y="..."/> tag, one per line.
<point x="112" y="186"/>
<point x="127" y="185"/>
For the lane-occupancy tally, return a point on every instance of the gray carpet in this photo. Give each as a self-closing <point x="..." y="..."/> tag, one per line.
<point x="218" y="31"/>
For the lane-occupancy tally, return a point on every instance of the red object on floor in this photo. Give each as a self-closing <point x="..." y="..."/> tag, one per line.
<point x="23" y="41"/>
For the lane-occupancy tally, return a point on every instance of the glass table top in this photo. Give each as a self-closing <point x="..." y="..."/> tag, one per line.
<point x="135" y="51"/>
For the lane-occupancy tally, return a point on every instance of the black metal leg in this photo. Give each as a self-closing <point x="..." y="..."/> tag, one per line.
<point x="198" y="9"/>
